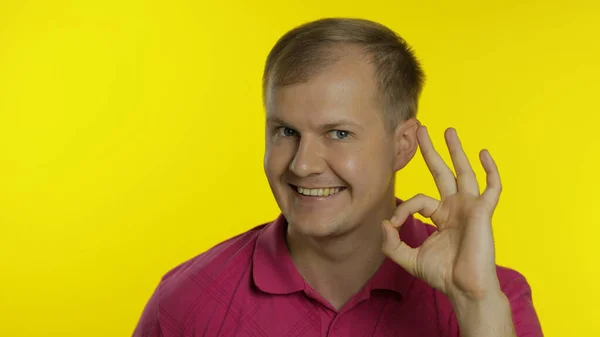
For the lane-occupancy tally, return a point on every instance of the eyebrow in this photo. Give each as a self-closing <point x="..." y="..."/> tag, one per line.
<point x="327" y="126"/>
<point x="277" y="120"/>
<point x="340" y="123"/>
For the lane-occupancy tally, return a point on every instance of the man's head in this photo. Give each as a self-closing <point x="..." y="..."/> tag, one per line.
<point x="341" y="99"/>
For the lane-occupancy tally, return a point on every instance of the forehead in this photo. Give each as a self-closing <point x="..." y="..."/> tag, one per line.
<point x="344" y="89"/>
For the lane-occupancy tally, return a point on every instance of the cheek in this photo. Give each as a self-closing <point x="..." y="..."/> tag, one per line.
<point x="276" y="160"/>
<point x="349" y="166"/>
<point x="360" y="168"/>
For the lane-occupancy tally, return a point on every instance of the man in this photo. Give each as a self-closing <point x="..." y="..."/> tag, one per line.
<point x="345" y="257"/>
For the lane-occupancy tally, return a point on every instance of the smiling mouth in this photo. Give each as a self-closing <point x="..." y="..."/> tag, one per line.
<point x="317" y="192"/>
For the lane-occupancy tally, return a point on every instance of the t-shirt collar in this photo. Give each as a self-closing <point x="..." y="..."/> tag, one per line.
<point x="273" y="269"/>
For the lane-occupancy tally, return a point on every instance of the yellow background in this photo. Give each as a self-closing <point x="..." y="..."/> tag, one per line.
<point x="131" y="139"/>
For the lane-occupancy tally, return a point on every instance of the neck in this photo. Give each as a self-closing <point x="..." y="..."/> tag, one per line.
<point x="338" y="267"/>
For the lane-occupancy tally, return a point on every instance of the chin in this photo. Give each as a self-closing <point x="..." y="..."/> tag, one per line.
<point x="316" y="227"/>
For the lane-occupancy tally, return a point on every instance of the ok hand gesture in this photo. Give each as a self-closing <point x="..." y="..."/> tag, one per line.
<point x="458" y="259"/>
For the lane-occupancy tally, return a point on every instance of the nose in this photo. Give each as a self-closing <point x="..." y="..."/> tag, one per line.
<point x="308" y="159"/>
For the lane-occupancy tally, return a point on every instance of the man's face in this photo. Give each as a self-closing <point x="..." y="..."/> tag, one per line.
<point x="328" y="159"/>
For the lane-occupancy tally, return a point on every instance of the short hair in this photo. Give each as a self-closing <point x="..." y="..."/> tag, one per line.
<point x="305" y="50"/>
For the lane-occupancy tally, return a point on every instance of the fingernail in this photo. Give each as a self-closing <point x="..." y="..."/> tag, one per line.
<point x="393" y="219"/>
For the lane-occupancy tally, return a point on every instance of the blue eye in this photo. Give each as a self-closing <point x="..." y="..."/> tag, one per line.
<point x="287" y="132"/>
<point x="339" y="134"/>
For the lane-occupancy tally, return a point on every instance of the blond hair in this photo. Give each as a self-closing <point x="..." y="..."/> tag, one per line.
<point x="305" y="50"/>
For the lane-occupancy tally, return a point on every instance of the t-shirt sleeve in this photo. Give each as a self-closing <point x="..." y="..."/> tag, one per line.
<point x="525" y="318"/>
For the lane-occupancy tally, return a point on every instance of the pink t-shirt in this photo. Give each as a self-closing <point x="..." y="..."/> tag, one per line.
<point x="249" y="286"/>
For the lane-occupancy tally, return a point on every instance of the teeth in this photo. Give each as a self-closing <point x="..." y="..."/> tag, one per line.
<point x="320" y="192"/>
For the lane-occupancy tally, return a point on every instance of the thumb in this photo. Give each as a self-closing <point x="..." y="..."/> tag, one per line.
<point x="397" y="250"/>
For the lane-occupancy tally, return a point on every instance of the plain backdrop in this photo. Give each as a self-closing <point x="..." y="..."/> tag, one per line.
<point x="131" y="139"/>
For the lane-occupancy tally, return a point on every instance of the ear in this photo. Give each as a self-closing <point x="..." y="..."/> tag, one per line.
<point x="405" y="142"/>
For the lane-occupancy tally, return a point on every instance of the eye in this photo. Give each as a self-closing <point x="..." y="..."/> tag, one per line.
<point x="339" y="134"/>
<point x="286" y="132"/>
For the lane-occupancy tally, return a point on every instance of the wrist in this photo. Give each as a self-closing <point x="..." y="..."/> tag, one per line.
<point x="492" y="295"/>
<point x="484" y="316"/>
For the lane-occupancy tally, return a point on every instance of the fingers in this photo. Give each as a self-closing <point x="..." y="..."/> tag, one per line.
<point x="465" y="176"/>
<point x="397" y="250"/>
<point x="392" y="246"/>
<point x="465" y="180"/>
<point x="442" y="175"/>
<point x="420" y="203"/>
<point x="493" y="184"/>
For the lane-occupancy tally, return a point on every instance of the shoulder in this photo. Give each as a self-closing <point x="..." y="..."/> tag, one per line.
<point x="208" y="276"/>
<point x="197" y="286"/>
<point x="213" y="261"/>
<point x="217" y="257"/>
